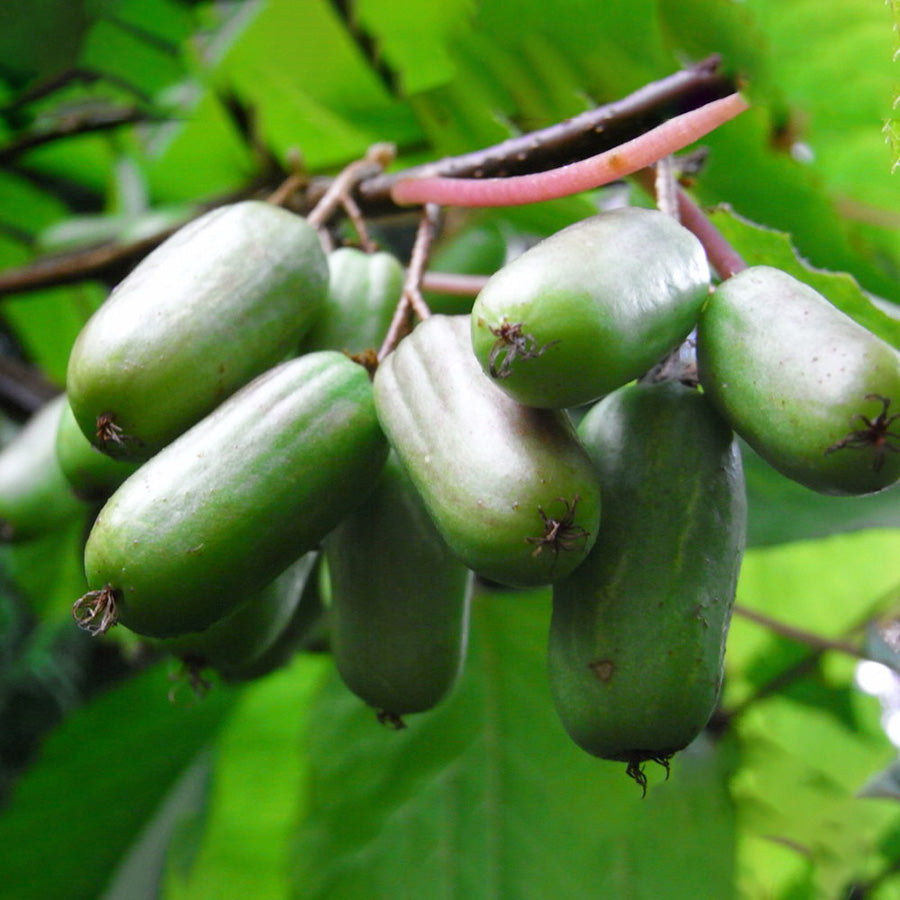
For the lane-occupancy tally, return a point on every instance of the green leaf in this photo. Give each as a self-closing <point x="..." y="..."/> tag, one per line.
<point x="415" y="39"/>
<point x="615" y="52"/>
<point x="829" y="588"/>
<point x="198" y="155"/>
<point x="487" y="797"/>
<point x="26" y="208"/>
<point x="841" y="118"/>
<point x="310" y="86"/>
<point x="780" y="510"/>
<point x="166" y="21"/>
<point x="40" y="38"/>
<point x="132" y="55"/>
<point x="701" y="28"/>
<point x="46" y="323"/>
<point x="892" y="133"/>
<point x="98" y="780"/>
<point x="258" y="792"/>
<point x="137" y="876"/>
<point x="48" y="571"/>
<point x="807" y="755"/>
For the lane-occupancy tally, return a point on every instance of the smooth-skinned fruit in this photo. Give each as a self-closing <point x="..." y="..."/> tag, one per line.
<point x="92" y="475"/>
<point x="363" y="290"/>
<point x="236" y="642"/>
<point x="35" y="495"/>
<point x="509" y="487"/>
<point x="305" y="632"/>
<point x="638" y="631"/>
<point x="217" y="514"/>
<point x="590" y="308"/>
<point x="815" y="393"/>
<point x="222" y="300"/>
<point x="399" y="601"/>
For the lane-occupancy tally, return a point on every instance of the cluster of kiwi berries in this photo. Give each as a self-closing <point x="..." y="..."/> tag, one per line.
<point x="235" y="445"/>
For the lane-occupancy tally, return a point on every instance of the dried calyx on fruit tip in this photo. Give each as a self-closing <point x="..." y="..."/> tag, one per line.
<point x="96" y="612"/>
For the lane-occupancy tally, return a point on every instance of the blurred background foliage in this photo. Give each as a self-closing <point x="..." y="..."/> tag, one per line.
<point x="119" y="119"/>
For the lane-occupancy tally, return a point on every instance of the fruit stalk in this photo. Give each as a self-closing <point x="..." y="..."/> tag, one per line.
<point x="586" y="174"/>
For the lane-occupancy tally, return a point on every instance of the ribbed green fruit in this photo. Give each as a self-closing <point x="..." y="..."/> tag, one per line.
<point x="222" y="300"/>
<point x="509" y="487"/>
<point x="638" y="631"/>
<point x="590" y="308"/>
<point x="811" y="390"/>
<point x="363" y="291"/>
<point x="35" y="496"/>
<point x="92" y="475"/>
<point x="399" y="601"/>
<point x="222" y="510"/>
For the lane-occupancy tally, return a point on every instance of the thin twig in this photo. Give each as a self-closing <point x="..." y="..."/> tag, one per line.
<point x="99" y="261"/>
<point x="602" y="127"/>
<point x="295" y="182"/>
<point x="802" y="667"/>
<point x="79" y="266"/>
<point x="376" y="158"/>
<point x="817" y="644"/>
<point x="398" y="327"/>
<point x="418" y="260"/>
<point x="358" y="220"/>
<point x="666" y="188"/>
<point x="799" y="635"/>
<point x="73" y="124"/>
<point x="411" y="297"/>
<point x="576" y="138"/>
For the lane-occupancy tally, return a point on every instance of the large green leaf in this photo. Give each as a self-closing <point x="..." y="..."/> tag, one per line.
<point x="892" y="126"/>
<point x="38" y="40"/>
<point x="310" y="85"/>
<point x="806" y="733"/>
<point x="780" y="510"/>
<point x="796" y="787"/>
<point x="47" y="322"/>
<point x="617" y="47"/>
<point x="828" y="587"/>
<point x="840" y="118"/>
<point x="698" y="29"/>
<point x="414" y="39"/>
<point x="257" y="794"/>
<point x="171" y="826"/>
<point x="99" y="779"/>
<point x="48" y="571"/>
<point x="487" y="797"/>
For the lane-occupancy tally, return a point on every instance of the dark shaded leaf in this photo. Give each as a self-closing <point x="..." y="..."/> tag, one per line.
<point x="99" y="779"/>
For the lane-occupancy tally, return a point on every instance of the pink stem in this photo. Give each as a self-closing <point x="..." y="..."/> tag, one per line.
<point x="626" y="159"/>
<point x="452" y="283"/>
<point x="721" y="255"/>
